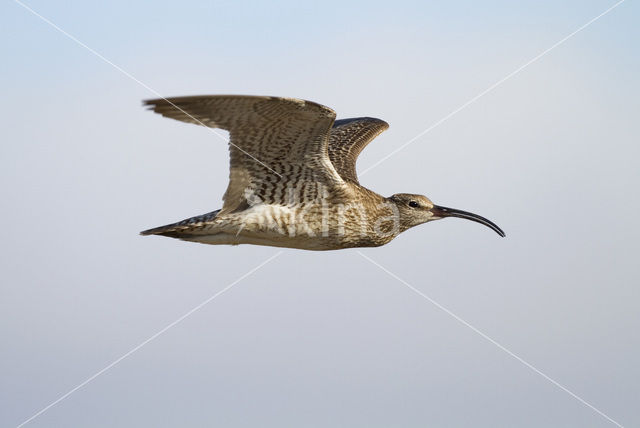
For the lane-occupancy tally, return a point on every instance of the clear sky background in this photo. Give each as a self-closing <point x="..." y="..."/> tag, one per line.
<point x="323" y="339"/>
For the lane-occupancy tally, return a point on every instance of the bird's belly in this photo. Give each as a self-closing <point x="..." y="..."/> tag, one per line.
<point x="282" y="226"/>
<point x="311" y="228"/>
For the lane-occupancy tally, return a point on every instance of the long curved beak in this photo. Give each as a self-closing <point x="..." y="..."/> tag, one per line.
<point x="439" y="211"/>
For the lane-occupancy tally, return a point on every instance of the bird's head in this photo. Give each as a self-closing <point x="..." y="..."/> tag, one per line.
<point x="417" y="209"/>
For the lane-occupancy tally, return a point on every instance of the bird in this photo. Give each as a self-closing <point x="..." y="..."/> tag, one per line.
<point x="292" y="178"/>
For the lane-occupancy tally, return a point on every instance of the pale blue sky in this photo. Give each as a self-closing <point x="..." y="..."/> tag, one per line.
<point x="323" y="339"/>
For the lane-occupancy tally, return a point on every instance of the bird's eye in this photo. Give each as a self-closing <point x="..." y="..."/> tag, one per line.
<point x="413" y="204"/>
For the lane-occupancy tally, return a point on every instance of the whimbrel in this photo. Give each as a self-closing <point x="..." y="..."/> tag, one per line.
<point x="292" y="180"/>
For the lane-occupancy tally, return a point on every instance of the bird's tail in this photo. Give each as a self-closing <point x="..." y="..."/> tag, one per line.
<point x="176" y="230"/>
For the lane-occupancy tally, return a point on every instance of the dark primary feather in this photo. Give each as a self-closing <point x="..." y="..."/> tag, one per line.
<point x="348" y="138"/>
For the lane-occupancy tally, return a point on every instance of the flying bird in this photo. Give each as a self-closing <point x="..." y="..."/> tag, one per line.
<point x="292" y="178"/>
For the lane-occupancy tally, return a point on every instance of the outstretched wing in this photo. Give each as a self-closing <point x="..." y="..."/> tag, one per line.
<point x="348" y="138"/>
<point x="274" y="142"/>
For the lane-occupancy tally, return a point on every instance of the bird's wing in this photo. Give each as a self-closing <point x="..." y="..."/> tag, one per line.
<point x="348" y="138"/>
<point x="275" y="143"/>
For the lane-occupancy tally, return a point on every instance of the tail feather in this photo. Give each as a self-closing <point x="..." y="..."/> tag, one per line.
<point x="176" y="230"/>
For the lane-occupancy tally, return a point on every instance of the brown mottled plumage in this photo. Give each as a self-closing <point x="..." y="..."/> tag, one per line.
<point x="292" y="179"/>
